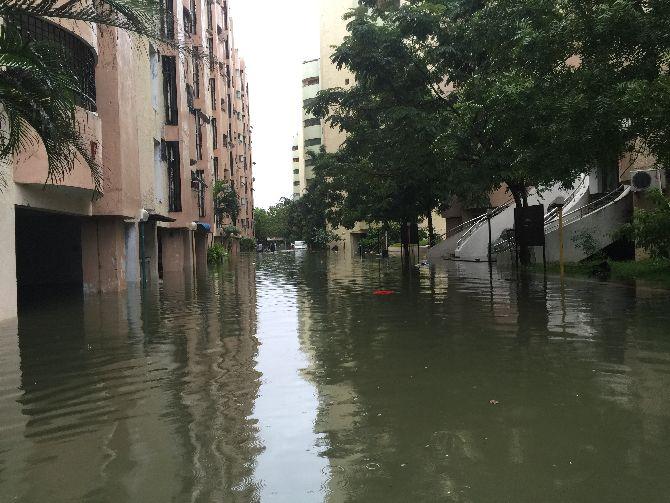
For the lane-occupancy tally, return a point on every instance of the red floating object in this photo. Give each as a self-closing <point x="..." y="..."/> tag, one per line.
<point x="383" y="292"/>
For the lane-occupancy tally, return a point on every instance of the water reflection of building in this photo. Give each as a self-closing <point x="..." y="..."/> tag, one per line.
<point x="145" y="397"/>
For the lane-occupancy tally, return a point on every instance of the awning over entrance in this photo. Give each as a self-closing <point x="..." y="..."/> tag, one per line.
<point x="155" y="217"/>
<point x="204" y="227"/>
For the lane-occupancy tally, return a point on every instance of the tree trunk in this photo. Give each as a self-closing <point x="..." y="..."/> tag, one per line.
<point x="431" y="231"/>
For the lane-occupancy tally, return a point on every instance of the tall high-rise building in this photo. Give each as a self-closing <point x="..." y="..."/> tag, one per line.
<point x="165" y="125"/>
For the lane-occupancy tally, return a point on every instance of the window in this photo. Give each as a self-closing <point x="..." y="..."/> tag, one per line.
<point x="189" y="27"/>
<point x="296" y="159"/>
<point x="312" y="142"/>
<point x="171" y="151"/>
<point x="198" y="136"/>
<point x="198" y="185"/>
<point x="215" y="135"/>
<point x="167" y="19"/>
<point x="170" y="89"/>
<point x="294" y="148"/>
<point x="212" y="93"/>
<point x="310" y="81"/>
<point x="209" y="14"/>
<point x="309" y="162"/>
<point x="195" y="16"/>
<point x="312" y="122"/>
<point x="210" y="49"/>
<point x="232" y="166"/>
<point x="196" y="73"/>
<point x="80" y="56"/>
<point x="296" y="171"/>
<point x="225" y="14"/>
<point x="306" y="103"/>
<point x="216" y="169"/>
<point x="295" y="184"/>
<point x="346" y="82"/>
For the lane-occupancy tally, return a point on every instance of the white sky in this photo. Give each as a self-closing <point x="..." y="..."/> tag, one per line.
<point x="274" y="37"/>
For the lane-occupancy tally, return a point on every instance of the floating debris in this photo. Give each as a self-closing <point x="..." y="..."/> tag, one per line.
<point x="383" y="292"/>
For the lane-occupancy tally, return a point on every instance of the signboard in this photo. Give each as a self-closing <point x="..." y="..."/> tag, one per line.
<point x="410" y="234"/>
<point x="529" y="225"/>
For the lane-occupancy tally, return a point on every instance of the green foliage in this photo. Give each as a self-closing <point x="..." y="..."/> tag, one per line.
<point x="247" y="244"/>
<point x="216" y="253"/>
<point x="261" y="225"/>
<point x="455" y="97"/>
<point x="231" y="230"/>
<point x="585" y="241"/>
<point x="650" y="228"/>
<point x="226" y="202"/>
<point x="38" y="94"/>
<point x="38" y="88"/>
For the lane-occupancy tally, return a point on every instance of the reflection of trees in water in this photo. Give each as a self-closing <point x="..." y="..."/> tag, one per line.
<point x="405" y="384"/>
<point x="219" y="385"/>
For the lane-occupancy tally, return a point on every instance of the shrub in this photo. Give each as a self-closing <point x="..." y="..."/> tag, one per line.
<point x="216" y="253"/>
<point x="230" y="230"/>
<point x="247" y="244"/>
<point x="651" y="227"/>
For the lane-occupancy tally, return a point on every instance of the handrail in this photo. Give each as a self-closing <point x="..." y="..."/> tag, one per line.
<point x="569" y="218"/>
<point x="587" y="209"/>
<point x="496" y="211"/>
<point x="553" y="213"/>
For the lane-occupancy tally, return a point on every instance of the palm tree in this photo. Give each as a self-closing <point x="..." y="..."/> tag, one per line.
<point x="38" y="89"/>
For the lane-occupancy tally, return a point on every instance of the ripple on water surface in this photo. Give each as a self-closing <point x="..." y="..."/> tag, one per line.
<point x="283" y="378"/>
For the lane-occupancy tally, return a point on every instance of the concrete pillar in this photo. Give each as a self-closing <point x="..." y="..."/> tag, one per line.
<point x="201" y="241"/>
<point x="8" y="294"/>
<point x="177" y="250"/>
<point x="132" y="252"/>
<point x="103" y="246"/>
<point x="151" y="251"/>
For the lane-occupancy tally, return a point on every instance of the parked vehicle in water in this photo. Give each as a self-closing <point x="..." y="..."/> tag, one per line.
<point x="299" y="245"/>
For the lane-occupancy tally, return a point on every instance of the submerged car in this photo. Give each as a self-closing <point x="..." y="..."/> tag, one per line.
<point x="299" y="245"/>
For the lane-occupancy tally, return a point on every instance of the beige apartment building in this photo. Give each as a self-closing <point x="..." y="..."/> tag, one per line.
<point x="164" y="127"/>
<point x="309" y="138"/>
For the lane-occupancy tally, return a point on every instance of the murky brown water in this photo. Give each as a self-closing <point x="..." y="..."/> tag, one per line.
<point x="282" y="378"/>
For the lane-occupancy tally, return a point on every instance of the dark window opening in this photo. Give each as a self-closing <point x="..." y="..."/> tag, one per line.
<point x="167" y="19"/>
<point x="196" y="73"/>
<point x="312" y="122"/>
<point x="312" y="142"/>
<point x="171" y="150"/>
<point x="215" y="135"/>
<point x="170" y="89"/>
<point x="310" y="81"/>
<point x="212" y="93"/>
<point x="199" y="186"/>
<point x="198" y="136"/>
<point x="216" y="169"/>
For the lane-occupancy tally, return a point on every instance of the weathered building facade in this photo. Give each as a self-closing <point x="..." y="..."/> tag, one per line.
<point x="165" y="126"/>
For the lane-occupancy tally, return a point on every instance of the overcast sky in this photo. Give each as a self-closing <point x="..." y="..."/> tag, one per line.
<point x="274" y="37"/>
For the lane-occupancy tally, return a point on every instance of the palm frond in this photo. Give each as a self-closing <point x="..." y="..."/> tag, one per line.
<point x="38" y="96"/>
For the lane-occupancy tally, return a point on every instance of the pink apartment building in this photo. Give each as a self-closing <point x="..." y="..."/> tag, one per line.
<point x="165" y="126"/>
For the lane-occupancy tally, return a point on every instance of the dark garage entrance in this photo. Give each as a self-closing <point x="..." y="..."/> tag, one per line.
<point x="48" y="255"/>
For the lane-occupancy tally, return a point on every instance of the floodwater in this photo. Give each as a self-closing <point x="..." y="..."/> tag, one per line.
<point x="282" y="378"/>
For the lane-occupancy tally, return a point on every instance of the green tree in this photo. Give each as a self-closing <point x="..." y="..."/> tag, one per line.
<point x="261" y="225"/>
<point x="387" y="169"/>
<point x="650" y="228"/>
<point x="226" y="202"/>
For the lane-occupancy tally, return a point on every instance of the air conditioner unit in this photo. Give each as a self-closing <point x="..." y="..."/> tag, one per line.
<point x="647" y="179"/>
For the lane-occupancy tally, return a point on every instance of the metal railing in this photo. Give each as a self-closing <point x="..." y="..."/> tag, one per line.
<point x="553" y="213"/>
<point x="585" y="210"/>
<point x="496" y="211"/>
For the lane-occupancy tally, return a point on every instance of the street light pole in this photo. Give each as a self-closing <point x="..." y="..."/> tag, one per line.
<point x="488" y="218"/>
